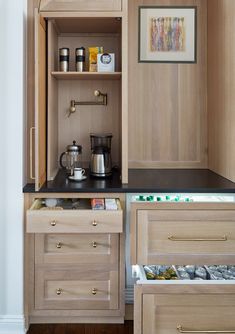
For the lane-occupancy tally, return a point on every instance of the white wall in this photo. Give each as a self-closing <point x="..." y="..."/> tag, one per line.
<point x="12" y="35"/>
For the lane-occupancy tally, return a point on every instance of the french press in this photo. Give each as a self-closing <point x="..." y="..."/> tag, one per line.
<point x="73" y="155"/>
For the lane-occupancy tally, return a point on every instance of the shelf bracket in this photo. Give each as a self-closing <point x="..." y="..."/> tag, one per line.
<point x="97" y="93"/>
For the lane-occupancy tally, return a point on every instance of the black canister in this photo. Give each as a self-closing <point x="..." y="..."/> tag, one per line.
<point x="64" y="59"/>
<point x="80" y="59"/>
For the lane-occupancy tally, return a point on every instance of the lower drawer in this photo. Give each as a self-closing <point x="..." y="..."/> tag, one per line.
<point x="94" y="288"/>
<point x="188" y="312"/>
<point x="76" y="248"/>
<point x="170" y="307"/>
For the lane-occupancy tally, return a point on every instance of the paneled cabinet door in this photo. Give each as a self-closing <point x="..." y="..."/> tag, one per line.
<point x="81" y="5"/>
<point x="40" y="100"/>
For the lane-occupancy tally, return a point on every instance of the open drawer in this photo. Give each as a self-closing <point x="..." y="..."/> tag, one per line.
<point x="183" y="233"/>
<point x="74" y="218"/>
<point x="183" y="306"/>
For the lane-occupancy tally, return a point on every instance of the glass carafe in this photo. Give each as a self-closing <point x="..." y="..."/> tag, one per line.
<point x="73" y="157"/>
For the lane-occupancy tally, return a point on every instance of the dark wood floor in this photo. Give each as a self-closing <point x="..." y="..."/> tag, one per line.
<point x="127" y="328"/>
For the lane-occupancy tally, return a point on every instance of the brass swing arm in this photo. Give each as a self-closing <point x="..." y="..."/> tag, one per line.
<point x="97" y="93"/>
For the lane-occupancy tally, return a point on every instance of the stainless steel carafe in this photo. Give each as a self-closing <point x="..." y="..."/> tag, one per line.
<point x="73" y="156"/>
<point x="101" y="162"/>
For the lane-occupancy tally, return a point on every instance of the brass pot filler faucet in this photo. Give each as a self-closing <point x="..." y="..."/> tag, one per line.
<point x="97" y="93"/>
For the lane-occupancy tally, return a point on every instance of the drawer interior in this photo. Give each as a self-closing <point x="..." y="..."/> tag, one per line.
<point x="189" y="274"/>
<point x="46" y="204"/>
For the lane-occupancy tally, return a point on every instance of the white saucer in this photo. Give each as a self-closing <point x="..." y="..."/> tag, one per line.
<point x="72" y="178"/>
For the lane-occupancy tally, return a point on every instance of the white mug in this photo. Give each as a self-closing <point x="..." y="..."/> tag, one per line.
<point x="78" y="173"/>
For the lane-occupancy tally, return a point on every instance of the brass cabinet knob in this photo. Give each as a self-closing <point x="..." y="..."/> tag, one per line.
<point x="59" y="245"/>
<point x="53" y="223"/>
<point x="94" y="223"/>
<point x="94" y="291"/>
<point x="94" y="244"/>
<point x="59" y="291"/>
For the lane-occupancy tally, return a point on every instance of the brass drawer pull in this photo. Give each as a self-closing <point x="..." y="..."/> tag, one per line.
<point x="94" y="291"/>
<point x="94" y="244"/>
<point x="94" y="223"/>
<point x="59" y="245"/>
<point x="181" y="330"/>
<point x="173" y="238"/>
<point x="59" y="291"/>
<point x="53" y="223"/>
<point x="31" y="145"/>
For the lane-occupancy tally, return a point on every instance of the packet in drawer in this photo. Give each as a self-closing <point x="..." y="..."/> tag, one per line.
<point x="110" y="204"/>
<point x="97" y="204"/>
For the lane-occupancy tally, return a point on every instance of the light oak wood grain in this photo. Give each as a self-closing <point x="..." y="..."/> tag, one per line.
<point x="76" y="248"/>
<point x="124" y="94"/>
<point x="81" y="5"/>
<point x="77" y="286"/>
<point x="40" y="100"/>
<point x="52" y="101"/>
<point x="168" y="102"/>
<point x="87" y="75"/>
<point x="69" y="268"/>
<point x="154" y="228"/>
<point x="153" y="223"/>
<point x="71" y="221"/>
<point x="89" y="119"/>
<point x="163" y="313"/>
<point x="221" y="87"/>
<point x="30" y="80"/>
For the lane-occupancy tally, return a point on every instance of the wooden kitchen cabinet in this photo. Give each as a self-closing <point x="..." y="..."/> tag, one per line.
<point x="52" y="129"/>
<point x="83" y="220"/>
<point x="180" y="234"/>
<point x="92" y="287"/>
<point x="76" y="248"/>
<point x="75" y="266"/>
<point x="81" y="5"/>
<point x="184" y="308"/>
<point x="183" y="233"/>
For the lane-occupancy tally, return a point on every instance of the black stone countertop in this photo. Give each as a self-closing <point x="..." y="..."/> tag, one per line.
<point x="143" y="181"/>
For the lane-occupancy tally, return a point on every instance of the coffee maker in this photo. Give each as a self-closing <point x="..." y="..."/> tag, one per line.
<point x="101" y="163"/>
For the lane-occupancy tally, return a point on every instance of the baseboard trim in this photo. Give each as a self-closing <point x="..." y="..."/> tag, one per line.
<point x="12" y="324"/>
<point x="75" y="320"/>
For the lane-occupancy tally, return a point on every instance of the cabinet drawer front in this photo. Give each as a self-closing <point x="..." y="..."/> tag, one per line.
<point x="74" y="221"/>
<point x="76" y="248"/>
<point x="163" y="314"/>
<point x="95" y="289"/>
<point x="81" y="5"/>
<point x="195" y="236"/>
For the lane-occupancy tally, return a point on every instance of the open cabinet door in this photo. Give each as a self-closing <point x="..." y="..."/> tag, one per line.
<point x="40" y="100"/>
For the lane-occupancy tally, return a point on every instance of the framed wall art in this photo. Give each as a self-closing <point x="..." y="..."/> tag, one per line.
<point x="167" y="34"/>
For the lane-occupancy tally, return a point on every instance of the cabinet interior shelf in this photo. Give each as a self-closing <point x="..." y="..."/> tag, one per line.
<point x="87" y="75"/>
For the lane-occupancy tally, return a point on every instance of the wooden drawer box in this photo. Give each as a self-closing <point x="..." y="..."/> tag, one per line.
<point x="73" y="221"/>
<point x="93" y="287"/>
<point x="191" y="234"/>
<point x="76" y="248"/>
<point x="81" y="5"/>
<point x="172" y="307"/>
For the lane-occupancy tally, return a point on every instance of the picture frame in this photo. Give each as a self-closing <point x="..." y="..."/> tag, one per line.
<point x="167" y="34"/>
